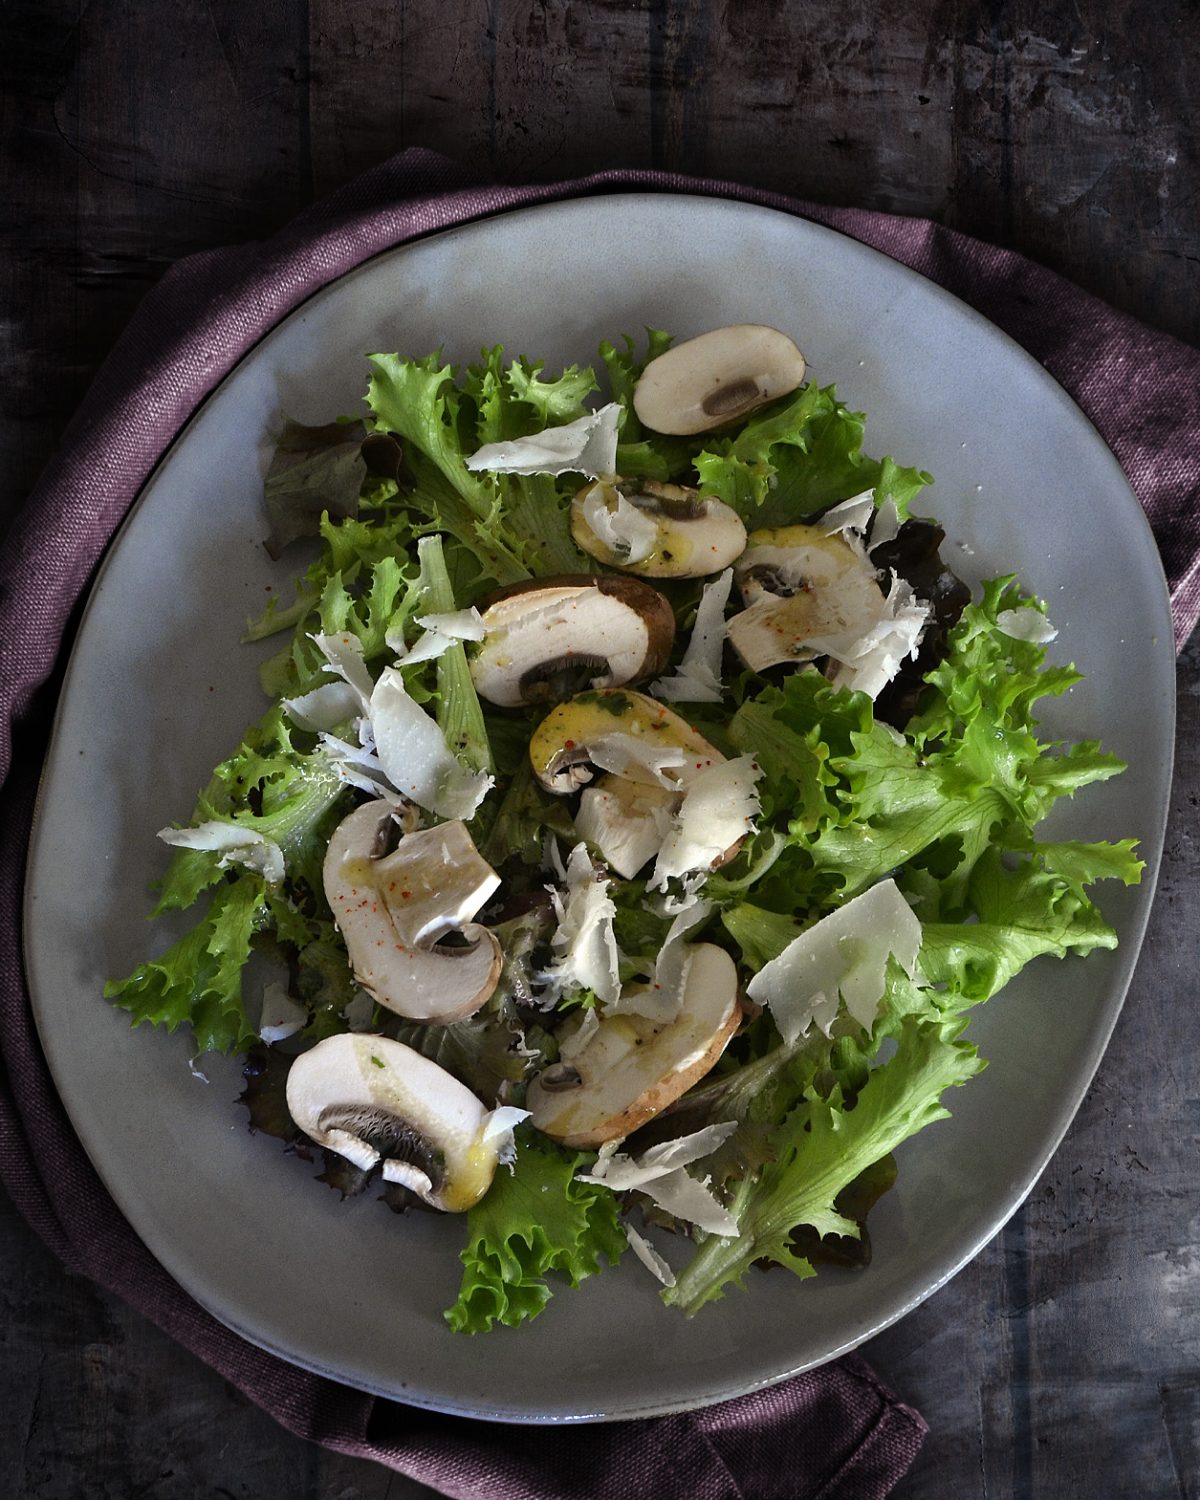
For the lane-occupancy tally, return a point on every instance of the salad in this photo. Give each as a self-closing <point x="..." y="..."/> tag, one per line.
<point x="642" y="806"/>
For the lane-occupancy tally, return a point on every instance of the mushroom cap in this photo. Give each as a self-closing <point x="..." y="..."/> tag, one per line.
<point x="717" y="377"/>
<point x="547" y="632"/>
<point x="800" y="584"/>
<point x="637" y="729"/>
<point x="632" y="1068"/>
<point x="374" y="1100"/>
<point x="694" y="535"/>
<point x="395" y="910"/>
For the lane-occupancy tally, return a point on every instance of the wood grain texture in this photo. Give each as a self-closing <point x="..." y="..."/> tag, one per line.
<point x="1064" y="1360"/>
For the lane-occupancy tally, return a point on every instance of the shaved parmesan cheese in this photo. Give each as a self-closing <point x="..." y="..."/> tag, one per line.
<point x="619" y="752"/>
<point x="867" y="664"/>
<point x="498" y="1126"/>
<point x="415" y="756"/>
<point x="235" y="844"/>
<point x="624" y="530"/>
<point x="428" y="646"/>
<point x="439" y="633"/>
<point x="586" y="446"/>
<point x="459" y="624"/>
<point x="360" y="767"/>
<point x="718" y="809"/>
<point x="697" y="679"/>
<point x="844" y="955"/>
<point x="626" y="821"/>
<point x="887" y="524"/>
<point x="620" y="1172"/>
<point x="281" y="1016"/>
<point x="848" y="515"/>
<point x="325" y="707"/>
<point x="344" y="658"/>
<point x="688" y="1198"/>
<point x="649" y="1256"/>
<point x="1026" y="624"/>
<point x="584" y="946"/>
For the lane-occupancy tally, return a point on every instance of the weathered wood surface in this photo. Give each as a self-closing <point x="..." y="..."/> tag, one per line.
<point x="1065" y="1360"/>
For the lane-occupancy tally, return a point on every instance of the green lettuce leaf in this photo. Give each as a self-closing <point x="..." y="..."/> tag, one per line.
<point x="533" y="1221"/>
<point x="198" y="981"/>
<point x="821" y="1148"/>
<point x="798" y="456"/>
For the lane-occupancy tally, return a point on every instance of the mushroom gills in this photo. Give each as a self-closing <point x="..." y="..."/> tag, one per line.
<point x="388" y="1138"/>
<point x="563" y="677"/>
<point x="380" y="1103"/>
<point x="632" y="1067"/>
<point x="716" y="377"/>
<point x="547" y="638"/>
<point x="694" y="534"/>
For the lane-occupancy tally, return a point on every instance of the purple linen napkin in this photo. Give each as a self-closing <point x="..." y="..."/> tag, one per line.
<point x="835" y="1433"/>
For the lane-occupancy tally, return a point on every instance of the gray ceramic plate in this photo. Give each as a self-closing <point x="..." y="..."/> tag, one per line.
<point x="159" y="690"/>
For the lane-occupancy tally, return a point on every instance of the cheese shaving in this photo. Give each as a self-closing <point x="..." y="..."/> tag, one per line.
<point x="841" y="958"/>
<point x="344" y="658"/>
<point x="236" y="845"/>
<point x="498" y="1126"/>
<point x="281" y="1016"/>
<point x="621" y="1172"/>
<point x="326" y="707"/>
<point x="867" y="663"/>
<point x="620" y="753"/>
<point x="415" y="757"/>
<point x="584" y="946"/>
<point x="649" y="1256"/>
<point x="848" y="515"/>
<point x="697" y="678"/>
<point x="586" y="446"/>
<point x="718" y="809"/>
<point x="624" y="530"/>
<point x="1026" y="624"/>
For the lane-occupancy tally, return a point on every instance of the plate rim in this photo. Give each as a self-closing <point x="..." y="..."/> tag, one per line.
<point x="1132" y="942"/>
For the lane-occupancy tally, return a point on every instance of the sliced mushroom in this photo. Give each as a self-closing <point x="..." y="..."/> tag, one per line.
<point x="373" y="1100"/>
<point x="404" y="907"/>
<point x="550" y="637"/>
<point x="632" y="1068"/>
<point x="800" y="585"/>
<point x="693" y="535"/>
<point x="717" y="377"/>
<point x="617" y="730"/>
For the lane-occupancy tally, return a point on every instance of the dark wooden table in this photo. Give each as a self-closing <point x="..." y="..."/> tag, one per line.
<point x="1066" y="1360"/>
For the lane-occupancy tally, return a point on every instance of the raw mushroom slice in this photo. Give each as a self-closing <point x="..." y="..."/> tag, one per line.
<point x="633" y="1068"/>
<point x="405" y="914"/>
<point x="549" y="637"/>
<point x="716" y="378"/>
<point x="693" y="535"/>
<point x="629" y="731"/>
<point x="373" y="1100"/>
<point x="800" y="585"/>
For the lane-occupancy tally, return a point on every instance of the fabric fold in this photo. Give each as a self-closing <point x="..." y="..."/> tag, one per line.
<point x="834" y="1432"/>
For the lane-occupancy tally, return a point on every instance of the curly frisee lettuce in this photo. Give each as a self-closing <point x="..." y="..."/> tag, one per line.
<point x="867" y="861"/>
